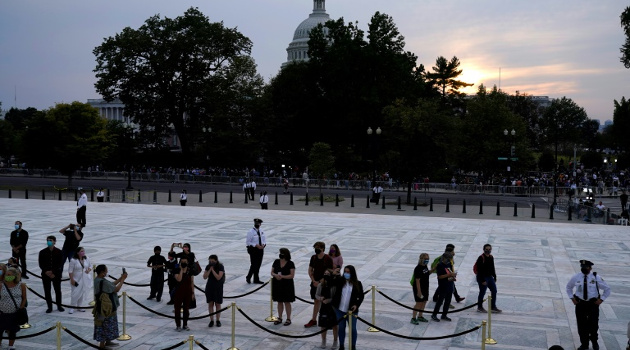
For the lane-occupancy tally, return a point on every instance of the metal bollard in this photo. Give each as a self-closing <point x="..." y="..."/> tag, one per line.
<point x="246" y="197"/>
<point x="200" y="197"/>
<point x="515" y="214"/>
<point x="551" y="212"/>
<point x="154" y="196"/>
<point x="336" y="200"/>
<point x="276" y="200"/>
<point x="498" y="209"/>
<point x="533" y="211"/>
<point x="11" y="196"/>
<point x="306" y="200"/>
<point x="124" y="335"/>
<point x="43" y="194"/>
<point x="372" y="329"/>
<point x="448" y="204"/>
<point x="139" y="198"/>
<point x="431" y="204"/>
<point x="352" y="201"/>
<point x="169" y="196"/>
<point x="92" y="195"/>
<point x="399" y="203"/>
<point x="464" y="207"/>
<point x="291" y="198"/>
<point x="489" y="339"/>
<point x="271" y="317"/>
<point x="124" y="196"/>
<point x="26" y="194"/>
<point x="383" y="207"/>
<point x="231" y="197"/>
<point x="569" y="212"/>
<point x="107" y="199"/>
<point x="480" y="207"/>
<point x="216" y="197"/>
<point x="415" y="203"/>
<point x="368" y="201"/>
<point x="321" y="199"/>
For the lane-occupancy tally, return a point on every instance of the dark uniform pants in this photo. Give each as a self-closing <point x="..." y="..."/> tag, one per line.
<point x="587" y="314"/>
<point x="255" y="259"/>
<point x="56" y="284"/>
<point x="81" y="216"/>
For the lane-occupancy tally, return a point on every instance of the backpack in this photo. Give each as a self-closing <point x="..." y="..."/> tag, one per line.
<point x="475" y="265"/>
<point x="413" y="279"/>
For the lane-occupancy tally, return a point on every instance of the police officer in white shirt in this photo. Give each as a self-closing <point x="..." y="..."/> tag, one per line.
<point x="100" y="195"/>
<point x="82" y="206"/>
<point x="256" y="242"/>
<point x="587" y="299"/>
<point x="264" y="200"/>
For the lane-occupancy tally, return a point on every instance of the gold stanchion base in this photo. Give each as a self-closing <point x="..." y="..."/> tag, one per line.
<point x="92" y="303"/>
<point x="372" y="329"/>
<point x="269" y="319"/>
<point x="232" y="348"/>
<point x="124" y="337"/>
<point x="25" y="326"/>
<point x="490" y="341"/>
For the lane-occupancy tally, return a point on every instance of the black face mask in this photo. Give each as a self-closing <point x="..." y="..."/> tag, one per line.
<point x="257" y="225"/>
<point x="184" y="265"/>
<point x="585" y="270"/>
<point x="281" y="256"/>
<point x="317" y="251"/>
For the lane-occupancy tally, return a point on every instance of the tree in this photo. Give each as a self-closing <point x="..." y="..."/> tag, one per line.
<point x="67" y="137"/>
<point x="524" y="106"/>
<point x="625" y="48"/>
<point x="321" y="160"/>
<point x="621" y="125"/>
<point x="445" y="74"/>
<point x="177" y="73"/>
<point x="562" y="123"/>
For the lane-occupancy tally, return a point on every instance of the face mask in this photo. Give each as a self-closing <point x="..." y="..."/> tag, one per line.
<point x="257" y="225"/>
<point x="49" y="243"/>
<point x="212" y="263"/>
<point x="317" y="251"/>
<point x="585" y="270"/>
<point x="185" y="249"/>
<point x="487" y="251"/>
<point x="281" y="256"/>
<point x="346" y="275"/>
<point x="426" y="262"/>
<point x="184" y="265"/>
<point x="81" y="254"/>
<point x="9" y="278"/>
<point x="332" y="251"/>
<point x="17" y="227"/>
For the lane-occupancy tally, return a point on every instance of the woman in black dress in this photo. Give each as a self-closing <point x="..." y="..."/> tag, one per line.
<point x="215" y="274"/>
<point x="283" y="290"/>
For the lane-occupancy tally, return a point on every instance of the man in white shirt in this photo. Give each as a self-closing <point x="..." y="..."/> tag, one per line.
<point x="100" y="195"/>
<point x="256" y="242"/>
<point x="264" y="201"/>
<point x="82" y="206"/>
<point x="587" y="299"/>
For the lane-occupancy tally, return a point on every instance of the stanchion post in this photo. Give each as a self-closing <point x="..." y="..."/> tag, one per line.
<point x="200" y="197"/>
<point x="415" y="203"/>
<point x="483" y="335"/>
<point x="271" y="317"/>
<point x="551" y="212"/>
<point x="371" y="329"/>
<point x="290" y="198"/>
<point x="276" y="200"/>
<point x="336" y="199"/>
<point x="191" y="342"/>
<point x="58" y="335"/>
<point x="349" y="320"/>
<point x="233" y="347"/>
<point x="464" y="207"/>
<point x="306" y="199"/>
<point x="569" y="211"/>
<point x="480" y="207"/>
<point x="489" y="339"/>
<point x="124" y="336"/>
<point x="43" y="194"/>
<point x="10" y="196"/>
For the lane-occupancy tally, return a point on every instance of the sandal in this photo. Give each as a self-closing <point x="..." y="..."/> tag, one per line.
<point x="288" y="322"/>
<point x="278" y="321"/>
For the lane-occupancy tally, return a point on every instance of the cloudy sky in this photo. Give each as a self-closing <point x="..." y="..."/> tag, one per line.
<point x="553" y="48"/>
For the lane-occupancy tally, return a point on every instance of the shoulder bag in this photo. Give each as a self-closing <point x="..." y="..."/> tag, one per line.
<point x="21" y="315"/>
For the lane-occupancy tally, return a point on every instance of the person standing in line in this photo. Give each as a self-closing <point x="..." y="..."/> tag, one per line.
<point x="446" y="280"/>
<point x="256" y="242"/>
<point x="183" y="198"/>
<point x="348" y="297"/>
<point x="82" y="207"/>
<point x="100" y="196"/>
<point x="184" y="294"/>
<point x="18" y="240"/>
<point x="74" y="236"/>
<point x="264" y="201"/>
<point x="420" y="287"/>
<point x="335" y="254"/>
<point x="105" y="316"/>
<point x="451" y="249"/>
<point x="13" y="297"/>
<point x="319" y="263"/>
<point x="157" y="263"/>
<point x="80" y="273"/>
<point x="215" y="274"/>
<point x="171" y="265"/>
<point x="327" y="315"/>
<point x="587" y="299"/>
<point x="51" y="264"/>
<point x="283" y="289"/>
<point x="487" y="279"/>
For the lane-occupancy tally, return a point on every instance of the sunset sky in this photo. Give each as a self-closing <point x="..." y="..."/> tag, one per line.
<point x="552" y="48"/>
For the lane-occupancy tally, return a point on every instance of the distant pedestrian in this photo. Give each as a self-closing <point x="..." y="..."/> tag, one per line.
<point x="264" y="201"/>
<point x="451" y="249"/>
<point x="587" y="299"/>
<point x="82" y="207"/>
<point x="18" y="240"/>
<point x="157" y="263"/>
<point x="335" y="254"/>
<point x="285" y="183"/>
<point x="105" y="316"/>
<point x="183" y="198"/>
<point x="486" y="279"/>
<point x="100" y="196"/>
<point x="13" y="296"/>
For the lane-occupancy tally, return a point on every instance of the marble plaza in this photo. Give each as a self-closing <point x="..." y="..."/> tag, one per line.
<point x="534" y="261"/>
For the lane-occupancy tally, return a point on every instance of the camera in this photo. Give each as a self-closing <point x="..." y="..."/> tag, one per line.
<point x="124" y="271"/>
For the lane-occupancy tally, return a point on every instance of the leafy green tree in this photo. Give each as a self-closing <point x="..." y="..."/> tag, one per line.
<point x="621" y="125"/>
<point x="182" y="73"/>
<point x="625" y="48"/>
<point x="67" y="137"/>
<point x="524" y="106"/>
<point x="322" y="161"/>
<point x="562" y="124"/>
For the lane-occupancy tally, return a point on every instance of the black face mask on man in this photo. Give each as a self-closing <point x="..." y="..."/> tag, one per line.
<point x="317" y="251"/>
<point x="585" y="270"/>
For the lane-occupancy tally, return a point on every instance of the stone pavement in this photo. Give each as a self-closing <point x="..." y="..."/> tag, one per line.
<point x="534" y="261"/>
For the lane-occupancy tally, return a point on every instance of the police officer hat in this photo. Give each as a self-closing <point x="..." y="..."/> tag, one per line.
<point x="257" y="220"/>
<point x="586" y="263"/>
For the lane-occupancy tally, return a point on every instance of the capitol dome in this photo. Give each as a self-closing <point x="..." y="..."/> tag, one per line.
<point x="298" y="48"/>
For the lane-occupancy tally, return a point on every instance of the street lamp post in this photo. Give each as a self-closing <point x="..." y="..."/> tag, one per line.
<point x="206" y="132"/>
<point x="374" y="142"/>
<point x="132" y="137"/>
<point x="512" y="152"/>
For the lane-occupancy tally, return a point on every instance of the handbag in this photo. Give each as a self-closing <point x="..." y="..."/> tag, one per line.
<point x="196" y="268"/>
<point x="21" y="315"/>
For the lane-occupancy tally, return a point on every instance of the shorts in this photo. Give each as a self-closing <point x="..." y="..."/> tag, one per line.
<point x="313" y="291"/>
<point x="425" y="294"/>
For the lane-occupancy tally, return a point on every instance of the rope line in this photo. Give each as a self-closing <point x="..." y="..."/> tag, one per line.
<point x="172" y="317"/>
<point x="80" y="339"/>
<point x="304" y="300"/>
<point x="276" y="333"/>
<point x="54" y="302"/>
<point x="133" y="284"/>
<point x="200" y="345"/>
<point x="417" y="338"/>
<point x="420" y="310"/>
<point x="40" y="277"/>
<point x="176" y="345"/>
<point x="237" y="296"/>
<point x="2" y="336"/>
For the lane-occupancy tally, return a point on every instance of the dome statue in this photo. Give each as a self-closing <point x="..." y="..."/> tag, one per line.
<point x="298" y="48"/>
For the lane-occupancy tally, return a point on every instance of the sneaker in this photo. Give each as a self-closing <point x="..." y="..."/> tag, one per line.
<point x="158" y="299"/>
<point x="414" y="321"/>
<point x="71" y="311"/>
<point x="459" y="300"/>
<point x="178" y="329"/>
<point x="496" y="311"/>
<point x="49" y="310"/>
<point x="480" y="309"/>
<point x="434" y="318"/>
<point x="323" y="346"/>
<point x="422" y="319"/>
<point x="446" y="318"/>
<point x="211" y="324"/>
<point x="61" y="309"/>
<point x="310" y="323"/>
<point x="451" y="306"/>
<point x="186" y="328"/>
<point x="150" y="298"/>
<point x="334" y="346"/>
<point x="218" y="323"/>
<point x="81" y="310"/>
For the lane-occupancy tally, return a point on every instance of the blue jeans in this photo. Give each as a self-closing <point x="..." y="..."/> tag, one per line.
<point x="342" y="328"/>
<point x="482" y="291"/>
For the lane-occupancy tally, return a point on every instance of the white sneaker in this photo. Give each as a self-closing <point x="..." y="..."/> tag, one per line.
<point x="323" y="346"/>
<point x="71" y="311"/>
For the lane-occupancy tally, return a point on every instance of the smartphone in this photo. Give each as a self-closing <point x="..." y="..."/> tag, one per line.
<point x="124" y="271"/>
